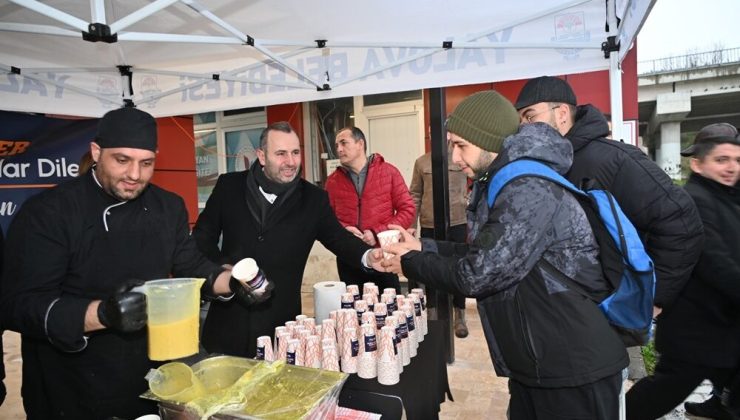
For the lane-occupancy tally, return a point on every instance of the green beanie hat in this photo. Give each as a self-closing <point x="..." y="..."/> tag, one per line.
<point x="484" y="119"/>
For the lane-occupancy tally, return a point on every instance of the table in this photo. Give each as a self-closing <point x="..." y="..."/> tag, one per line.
<point x="423" y="383"/>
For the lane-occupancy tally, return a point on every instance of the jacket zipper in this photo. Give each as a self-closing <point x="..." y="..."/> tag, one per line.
<point x="359" y="211"/>
<point x="527" y="335"/>
<point x="359" y="200"/>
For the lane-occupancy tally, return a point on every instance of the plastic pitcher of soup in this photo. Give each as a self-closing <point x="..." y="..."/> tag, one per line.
<point x="173" y="309"/>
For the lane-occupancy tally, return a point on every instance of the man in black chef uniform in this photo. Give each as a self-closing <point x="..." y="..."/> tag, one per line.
<point x="72" y="254"/>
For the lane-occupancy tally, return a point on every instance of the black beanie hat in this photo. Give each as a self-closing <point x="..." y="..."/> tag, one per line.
<point x="484" y="119"/>
<point x="127" y="127"/>
<point x="545" y="89"/>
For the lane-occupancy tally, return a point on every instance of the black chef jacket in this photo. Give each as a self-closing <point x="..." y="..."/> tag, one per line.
<point x="66" y="247"/>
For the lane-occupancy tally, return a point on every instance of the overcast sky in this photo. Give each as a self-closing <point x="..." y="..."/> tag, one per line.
<point x="675" y="27"/>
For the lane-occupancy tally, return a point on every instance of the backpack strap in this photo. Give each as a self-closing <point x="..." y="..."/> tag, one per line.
<point x="523" y="168"/>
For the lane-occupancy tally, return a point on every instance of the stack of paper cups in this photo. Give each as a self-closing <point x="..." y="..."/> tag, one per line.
<point x="390" y="291"/>
<point x="406" y="348"/>
<point x="310" y="324"/>
<point x="421" y="322"/>
<point x="411" y="325"/>
<point x="368" y="288"/>
<point x="333" y="315"/>
<point x="264" y="349"/>
<point x="328" y="341"/>
<point x="350" y="350"/>
<point x="388" y="373"/>
<point x="392" y="321"/>
<point x="355" y="290"/>
<point x="282" y="340"/>
<point x="368" y="318"/>
<point x="300" y="318"/>
<point x="278" y="330"/>
<point x="343" y="323"/>
<point x="329" y="357"/>
<point x="400" y="300"/>
<point x="328" y="331"/>
<point x="390" y="302"/>
<point x="425" y="317"/>
<point x="370" y="298"/>
<point x="419" y="291"/>
<point x="367" y="363"/>
<point x="360" y="307"/>
<point x="293" y="350"/>
<point x="290" y="325"/>
<point x="301" y="355"/>
<point x="313" y="352"/>
<point x="380" y="313"/>
<point x="348" y="301"/>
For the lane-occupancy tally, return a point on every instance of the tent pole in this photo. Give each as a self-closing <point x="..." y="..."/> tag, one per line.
<point x="441" y="203"/>
<point x="615" y="90"/>
<point x="97" y="11"/>
<point x="615" y="76"/>
<point x="53" y="13"/>
<point x="139" y="15"/>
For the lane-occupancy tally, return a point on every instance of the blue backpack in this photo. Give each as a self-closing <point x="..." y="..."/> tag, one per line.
<point x="626" y="265"/>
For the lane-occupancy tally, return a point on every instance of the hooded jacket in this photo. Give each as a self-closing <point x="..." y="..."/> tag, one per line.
<point x="385" y="199"/>
<point x="540" y="332"/>
<point x="662" y="212"/>
<point x="703" y="327"/>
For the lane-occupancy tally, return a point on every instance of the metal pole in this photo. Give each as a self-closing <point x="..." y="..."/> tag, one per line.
<point x="440" y="192"/>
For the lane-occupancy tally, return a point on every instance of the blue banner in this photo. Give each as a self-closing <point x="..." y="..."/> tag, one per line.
<point x="36" y="153"/>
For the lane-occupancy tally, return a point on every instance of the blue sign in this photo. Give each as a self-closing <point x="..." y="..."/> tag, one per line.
<point x="36" y="153"/>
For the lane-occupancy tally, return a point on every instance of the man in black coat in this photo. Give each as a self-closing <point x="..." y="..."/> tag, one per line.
<point x="662" y="212"/>
<point x="270" y="214"/>
<point x="71" y="258"/>
<point x="699" y="336"/>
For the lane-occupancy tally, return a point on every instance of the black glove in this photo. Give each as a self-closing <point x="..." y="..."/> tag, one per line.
<point x="249" y="296"/>
<point x="125" y="310"/>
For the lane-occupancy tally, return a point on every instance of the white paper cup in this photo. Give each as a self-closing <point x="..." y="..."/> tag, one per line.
<point x="388" y="237"/>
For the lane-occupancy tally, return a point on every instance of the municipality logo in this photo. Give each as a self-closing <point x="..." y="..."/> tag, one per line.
<point x="570" y="27"/>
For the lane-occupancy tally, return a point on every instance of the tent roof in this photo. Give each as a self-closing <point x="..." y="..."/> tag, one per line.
<point x="193" y="56"/>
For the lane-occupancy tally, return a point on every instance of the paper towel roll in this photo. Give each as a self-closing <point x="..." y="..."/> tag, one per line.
<point x="327" y="296"/>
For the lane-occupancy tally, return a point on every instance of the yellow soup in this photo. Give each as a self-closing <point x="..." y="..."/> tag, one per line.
<point x="173" y="340"/>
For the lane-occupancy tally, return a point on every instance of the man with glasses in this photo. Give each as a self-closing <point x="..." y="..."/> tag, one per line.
<point x="663" y="213"/>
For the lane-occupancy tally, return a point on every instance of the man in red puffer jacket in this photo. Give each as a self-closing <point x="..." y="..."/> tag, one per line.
<point x="367" y="194"/>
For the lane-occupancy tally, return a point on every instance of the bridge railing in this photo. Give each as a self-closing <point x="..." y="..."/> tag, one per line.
<point x="689" y="61"/>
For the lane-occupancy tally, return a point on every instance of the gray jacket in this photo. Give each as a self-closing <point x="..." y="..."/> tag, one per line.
<point x="540" y="331"/>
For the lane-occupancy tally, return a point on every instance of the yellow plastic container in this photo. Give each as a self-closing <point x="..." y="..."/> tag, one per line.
<point x="176" y="382"/>
<point x="221" y="372"/>
<point x="173" y="309"/>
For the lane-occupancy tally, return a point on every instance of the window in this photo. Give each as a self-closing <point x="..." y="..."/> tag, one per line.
<point x="225" y="141"/>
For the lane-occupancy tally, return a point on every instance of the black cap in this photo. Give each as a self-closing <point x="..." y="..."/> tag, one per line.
<point x="713" y="133"/>
<point x="545" y="89"/>
<point x="127" y="127"/>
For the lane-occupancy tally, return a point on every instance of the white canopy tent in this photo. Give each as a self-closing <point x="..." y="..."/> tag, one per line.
<point x="176" y="57"/>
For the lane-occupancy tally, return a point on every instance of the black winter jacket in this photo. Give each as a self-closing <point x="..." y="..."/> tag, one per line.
<point x="68" y="246"/>
<point x="662" y="212"/>
<point x="227" y="231"/>
<point x="703" y="326"/>
<point x="540" y="332"/>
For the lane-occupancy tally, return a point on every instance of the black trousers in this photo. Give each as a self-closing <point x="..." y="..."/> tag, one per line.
<point x="358" y="276"/>
<point x="670" y="384"/>
<point x="457" y="233"/>
<point x="595" y="401"/>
